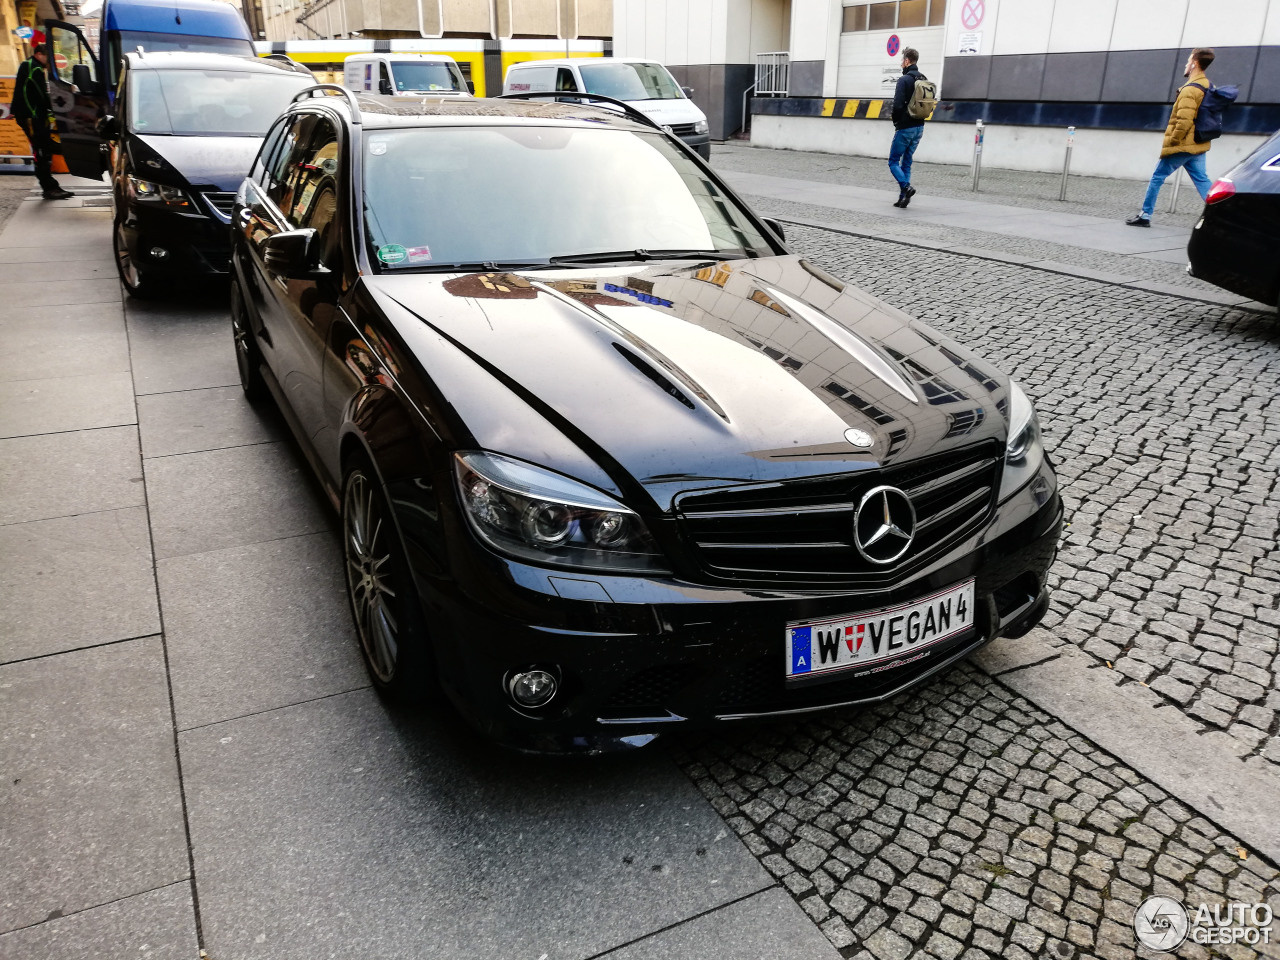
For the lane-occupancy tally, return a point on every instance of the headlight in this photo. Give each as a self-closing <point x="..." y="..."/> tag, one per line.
<point x="533" y="514"/>
<point x="160" y="194"/>
<point x="700" y="126"/>
<point x="1025" y="450"/>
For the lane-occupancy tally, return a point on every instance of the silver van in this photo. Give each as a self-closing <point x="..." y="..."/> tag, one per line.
<point x="405" y="75"/>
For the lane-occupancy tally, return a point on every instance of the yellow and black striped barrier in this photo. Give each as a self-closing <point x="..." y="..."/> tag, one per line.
<point x="858" y="109"/>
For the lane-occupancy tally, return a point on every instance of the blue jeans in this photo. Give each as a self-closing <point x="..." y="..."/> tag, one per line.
<point x="1194" y="162"/>
<point x="904" y="147"/>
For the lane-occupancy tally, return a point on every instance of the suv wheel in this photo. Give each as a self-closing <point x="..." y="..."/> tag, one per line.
<point x="248" y="357"/>
<point x="138" y="285"/>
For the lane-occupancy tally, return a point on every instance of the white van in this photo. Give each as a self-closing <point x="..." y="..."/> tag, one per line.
<point x="644" y="84"/>
<point x="405" y="75"/>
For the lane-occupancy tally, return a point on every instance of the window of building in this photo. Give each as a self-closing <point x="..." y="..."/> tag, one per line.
<point x="892" y="16"/>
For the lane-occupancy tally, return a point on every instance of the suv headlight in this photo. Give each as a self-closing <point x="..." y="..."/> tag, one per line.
<point x="533" y="514"/>
<point x="1024" y="452"/>
<point x="700" y="126"/>
<point x="160" y="194"/>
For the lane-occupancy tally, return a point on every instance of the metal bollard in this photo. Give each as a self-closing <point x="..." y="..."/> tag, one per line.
<point x="1066" y="162"/>
<point x="1173" y="197"/>
<point x="977" y="153"/>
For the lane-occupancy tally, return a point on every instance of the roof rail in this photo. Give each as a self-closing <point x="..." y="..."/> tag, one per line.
<point x="328" y="90"/>
<point x="569" y="96"/>
<point x="290" y="62"/>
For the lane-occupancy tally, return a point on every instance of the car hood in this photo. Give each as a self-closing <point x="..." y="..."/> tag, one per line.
<point x="220" y="163"/>
<point x="680" y="375"/>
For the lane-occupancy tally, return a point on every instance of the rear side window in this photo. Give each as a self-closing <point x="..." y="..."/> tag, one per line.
<point x="286" y="164"/>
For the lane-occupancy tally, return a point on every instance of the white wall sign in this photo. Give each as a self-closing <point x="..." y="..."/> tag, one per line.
<point x="970" y="43"/>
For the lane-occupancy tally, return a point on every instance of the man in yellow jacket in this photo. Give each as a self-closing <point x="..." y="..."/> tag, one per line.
<point x="1180" y="148"/>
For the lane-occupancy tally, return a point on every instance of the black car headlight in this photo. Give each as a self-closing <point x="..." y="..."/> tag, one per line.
<point x="1024" y="452"/>
<point x="534" y="514"/>
<point x="160" y="194"/>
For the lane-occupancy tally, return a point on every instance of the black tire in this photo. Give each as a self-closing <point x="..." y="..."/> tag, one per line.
<point x="248" y="357"/>
<point x="384" y="604"/>
<point x="137" y="283"/>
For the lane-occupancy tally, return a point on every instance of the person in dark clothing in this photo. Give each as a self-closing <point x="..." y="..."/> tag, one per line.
<point x="31" y="109"/>
<point x="907" y="129"/>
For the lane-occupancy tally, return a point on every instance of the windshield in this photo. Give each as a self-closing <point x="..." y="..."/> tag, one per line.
<point x="208" y="103"/>
<point x="424" y="77"/>
<point x="121" y="42"/>
<point x="509" y="194"/>
<point x="629" y="81"/>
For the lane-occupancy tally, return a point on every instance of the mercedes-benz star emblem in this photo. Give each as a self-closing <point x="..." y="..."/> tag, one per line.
<point x="859" y="438"/>
<point x="884" y="525"/>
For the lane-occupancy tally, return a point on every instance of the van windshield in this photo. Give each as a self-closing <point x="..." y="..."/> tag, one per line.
<point x="120" y="42"/>
<point x="208" y="103"/>
<point x="630" y="81"/>
<point x="427" y="77"/>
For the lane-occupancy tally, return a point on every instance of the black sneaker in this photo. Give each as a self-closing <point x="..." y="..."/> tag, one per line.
<point x="1138" y="221"/>
<point x="906" y="197"/>
<point x="58" y="194"/>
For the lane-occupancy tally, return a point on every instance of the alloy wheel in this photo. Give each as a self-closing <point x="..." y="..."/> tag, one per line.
<point x="367" y="546"/>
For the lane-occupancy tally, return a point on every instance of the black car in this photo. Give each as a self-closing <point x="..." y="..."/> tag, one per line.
<point x="186" y="129"/>
<point x="1236" y="242"/>
<point x="609" y="460"/>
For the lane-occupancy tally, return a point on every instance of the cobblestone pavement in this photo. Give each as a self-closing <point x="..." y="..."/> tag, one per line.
<point x="961" y="821"/>
<point x="1163" y="418"/>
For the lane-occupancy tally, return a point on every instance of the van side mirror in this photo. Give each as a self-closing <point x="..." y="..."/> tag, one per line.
<point x="290" y="253"/>
<point x="108" y="128"/>
<point x="82" y="78"/>
<point x="384" y="87"/>
<point x="687" y="91"/>
<point x="471" y="87"/>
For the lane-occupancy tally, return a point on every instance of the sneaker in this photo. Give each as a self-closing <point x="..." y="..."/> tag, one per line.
<point x="906" y="197"/>
<point x="58" y="194"/>
<point x="1138" y="221"/>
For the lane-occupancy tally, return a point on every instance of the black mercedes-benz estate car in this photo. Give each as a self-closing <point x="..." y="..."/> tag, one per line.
<point x="1236" y="242"/>
<point x="611" y="461"/>
<point x="185" y="129"/>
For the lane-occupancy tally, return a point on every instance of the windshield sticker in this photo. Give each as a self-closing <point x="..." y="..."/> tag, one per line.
<point x="392" y="253"/>
<point x="418" y="254"/>
<point x="377" y="148"/>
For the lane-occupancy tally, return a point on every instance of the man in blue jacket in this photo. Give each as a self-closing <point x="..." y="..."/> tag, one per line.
<point x="907" y="129"/>
<point x="31" y="109"/>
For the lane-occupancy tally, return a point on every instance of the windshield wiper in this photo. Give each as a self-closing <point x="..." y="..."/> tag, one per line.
<point x="472" y="266"/>
<point x="638" y="254"/>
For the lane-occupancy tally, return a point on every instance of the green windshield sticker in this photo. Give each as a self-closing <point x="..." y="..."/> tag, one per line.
<point x="392" y="253"/>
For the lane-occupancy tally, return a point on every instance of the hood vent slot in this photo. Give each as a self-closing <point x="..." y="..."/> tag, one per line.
<point x="647" y="369"/>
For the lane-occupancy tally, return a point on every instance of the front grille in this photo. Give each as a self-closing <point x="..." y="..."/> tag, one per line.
<point x="803" y="529"/>
<point x="653" y="687"/>
<point x="221" y="204"/>
<point x="681" y="129"/>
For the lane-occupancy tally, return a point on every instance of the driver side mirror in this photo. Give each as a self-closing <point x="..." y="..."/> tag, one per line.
<point x="687" y="91"/>
<point x="775" y="226"/>
<point x="291" y="253"/>
<point x="471" y="87"/>
<point x="108" y="128"/>
<point x="82" y="78"/>
<point x="384" y="87"/>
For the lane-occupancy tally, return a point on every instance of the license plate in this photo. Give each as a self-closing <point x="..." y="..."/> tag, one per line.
<point x="894" y="634"/>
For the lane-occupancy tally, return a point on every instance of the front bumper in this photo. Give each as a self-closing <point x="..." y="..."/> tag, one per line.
<point x="193" y="243"/>
<point x="638" y="656"/>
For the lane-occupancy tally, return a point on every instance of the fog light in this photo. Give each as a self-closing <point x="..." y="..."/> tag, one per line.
<point x="533" y="688"/>
<point x="158" y="253"/>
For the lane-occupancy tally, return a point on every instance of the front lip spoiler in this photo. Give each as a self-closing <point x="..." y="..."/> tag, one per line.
<point x="864" y="701"/>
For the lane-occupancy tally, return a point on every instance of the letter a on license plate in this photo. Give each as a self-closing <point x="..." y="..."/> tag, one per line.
<point x="881" y="636"/>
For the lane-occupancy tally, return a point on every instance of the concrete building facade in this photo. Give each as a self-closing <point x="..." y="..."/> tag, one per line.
<point x="1027" y="68"/>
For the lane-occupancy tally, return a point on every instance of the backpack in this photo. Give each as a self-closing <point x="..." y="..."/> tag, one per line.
<point x="1208" y="122"/>
<point x="924" y="97"/>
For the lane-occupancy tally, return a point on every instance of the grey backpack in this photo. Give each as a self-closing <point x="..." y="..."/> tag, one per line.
<point x="924" y="97"/>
